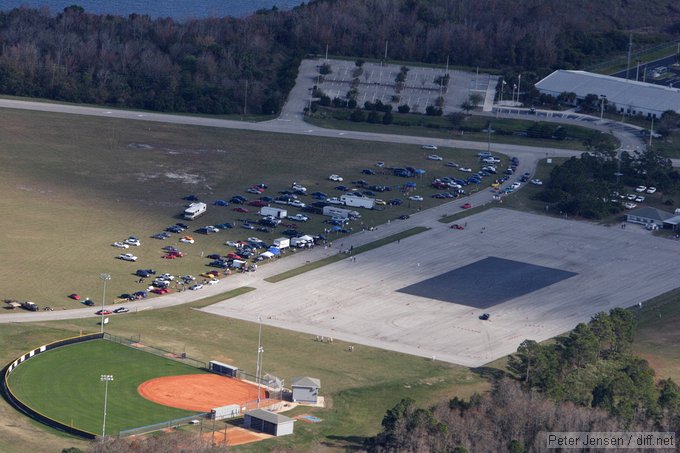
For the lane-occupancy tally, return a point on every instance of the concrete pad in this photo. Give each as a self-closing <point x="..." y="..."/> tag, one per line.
<point x="359" y="301"/>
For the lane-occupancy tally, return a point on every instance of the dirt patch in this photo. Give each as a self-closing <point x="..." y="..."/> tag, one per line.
<point x="236" y="436"/>
<point x="199" y="392"/>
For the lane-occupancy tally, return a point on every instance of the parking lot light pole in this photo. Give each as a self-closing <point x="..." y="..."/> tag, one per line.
<point x="602" y="99"/>
<point x="105" y="378"/>
<point x="106" y="277"/>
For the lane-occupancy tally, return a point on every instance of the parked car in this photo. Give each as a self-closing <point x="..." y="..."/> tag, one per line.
<point x="465" y="169"/>
<point x="174" y="229"/>
<point x="430" y="147"/>
<point x="651" y="189"/>
<point x="484" y="316"/>
<point x="640" y="189"/>
<point x="368" y="171"/>
<point x="120" y="245"/>
<point x="336" y="178"/>
<point x="127" y="257"/>
<point x="434" y="157"/>
<point x="537" y="182"/>
<point x="404" y="217"/>
<point x="298" y="217"/>
<point x="456" y="226"/>
<point x="187" y="239"/>
<point x="162" y="236"/>
<point x="196" y="287"/>
<point x="121" y="310"/>
<point x="132" y="240"/>
<point x="240" y="209"/>
<point x="88" y="302"/>
<point x="74" y="296"/>
<point x="415" y="198"/>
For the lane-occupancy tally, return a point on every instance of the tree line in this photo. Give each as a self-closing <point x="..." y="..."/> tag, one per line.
<point x="591" y="185"/>
<point x="586" y="381"/>
<point x="203" y="66"/>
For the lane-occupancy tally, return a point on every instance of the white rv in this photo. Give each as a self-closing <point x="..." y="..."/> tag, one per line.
<point x="194" y="210"/>
<point x="360" y="202"/>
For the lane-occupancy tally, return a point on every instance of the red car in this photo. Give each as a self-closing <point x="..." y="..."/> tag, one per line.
<point x="234" y="256"/>
<point x="160" y="290"/>
<point x="103" y="312"/>
<point x="466" y="206"/>
<point x="455" y="226"/>
<point x="169" y="257"/>
<point x="74" y="296"/>
<point x="239" y="209"/>
<point x="257" y="203"/>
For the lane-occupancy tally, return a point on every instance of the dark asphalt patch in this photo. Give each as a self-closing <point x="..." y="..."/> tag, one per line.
<point x="487" y="282"/>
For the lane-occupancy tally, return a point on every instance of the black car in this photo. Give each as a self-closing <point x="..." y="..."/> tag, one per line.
<point x="175" y="229"/>
<point x="161" y="236"/>
<point x="342" y="188"/>
<point x="395" y="201"/>
<point x="190" y="198"/>
<point x="238" y="200"/>
<point x="214" y="256"/>
<point x="484" y="316"/>
<point x="88" y="302"/>
<point x="127" y="296"/>
<point x="170" y="248"/>
<point x="145" y="273"/>
<point x="290" y="233"/>
<point x="264" y="229"/>
<point x="319" y="204"/>
<point x="182" y="225"/>
<point x="368" y="171"/>
<point x="404" y="217"/>
<point x="266" y="199"/>
<point x="224" y="226"/>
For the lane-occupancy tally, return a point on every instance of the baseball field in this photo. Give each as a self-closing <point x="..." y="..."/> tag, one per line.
<point x="64" y="384"/>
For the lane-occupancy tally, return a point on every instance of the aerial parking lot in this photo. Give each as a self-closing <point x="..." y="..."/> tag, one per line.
<point x="576" y="270"/>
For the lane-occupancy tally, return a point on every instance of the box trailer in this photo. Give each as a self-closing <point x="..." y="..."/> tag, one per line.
<point x="274" y="212"/>
<point x="332" y="211"/>
<point x="194" y="210"/>
<point x="359" y="202"/>
<point x="282" y="243"/>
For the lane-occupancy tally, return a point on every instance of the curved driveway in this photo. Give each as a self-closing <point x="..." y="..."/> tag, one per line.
<point x="290" y="122"/>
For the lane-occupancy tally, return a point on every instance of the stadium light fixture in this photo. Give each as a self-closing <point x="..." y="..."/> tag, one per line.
<point x="105" y="378"/>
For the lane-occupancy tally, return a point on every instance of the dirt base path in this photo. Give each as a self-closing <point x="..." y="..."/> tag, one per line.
<point x="199" y="392"/>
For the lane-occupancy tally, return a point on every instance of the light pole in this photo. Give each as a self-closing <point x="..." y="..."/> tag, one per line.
<point x="106" y="277"/>
<point x="602" y="99"/>
<point x="258" y="369"/>
<point x="105" y="378"/>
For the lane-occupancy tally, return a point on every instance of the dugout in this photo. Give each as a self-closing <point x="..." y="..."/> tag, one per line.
<point x="305" y="389"/>
<point x="268" y="422"/>
<point x="222" y="368"/>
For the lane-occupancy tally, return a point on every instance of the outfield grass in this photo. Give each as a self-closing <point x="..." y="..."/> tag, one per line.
<point x="335" y="258"/>
<point x="75" y="184"/>
<point x="64" y="384"/>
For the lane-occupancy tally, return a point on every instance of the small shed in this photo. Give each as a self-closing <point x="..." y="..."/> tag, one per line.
<point x="268" y="422"/>
<point x="647" y="216"/>
<point x="305" y="389"/>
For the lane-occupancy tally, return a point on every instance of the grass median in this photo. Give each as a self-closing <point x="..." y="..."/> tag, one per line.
<point x="340" y="256"/>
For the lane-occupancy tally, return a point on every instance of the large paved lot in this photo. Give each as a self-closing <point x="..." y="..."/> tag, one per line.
<point x="358" y="301"/>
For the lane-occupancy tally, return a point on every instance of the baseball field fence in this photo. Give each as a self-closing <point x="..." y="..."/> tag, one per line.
<point x="170" y="424"/>
<point x="172" y="355"/>
<point x="28" y="410"/>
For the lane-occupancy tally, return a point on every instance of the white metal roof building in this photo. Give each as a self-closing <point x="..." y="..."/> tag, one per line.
<point x="629" y="96"/>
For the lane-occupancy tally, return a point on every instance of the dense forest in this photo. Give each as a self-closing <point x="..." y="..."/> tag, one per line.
<point x="204" y="65"/>
<point x="586" y="381"/>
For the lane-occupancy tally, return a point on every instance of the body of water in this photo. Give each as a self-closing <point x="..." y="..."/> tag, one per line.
<point x="177" y="9"/>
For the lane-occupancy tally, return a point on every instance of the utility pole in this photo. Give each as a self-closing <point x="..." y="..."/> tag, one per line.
<point x="258" y="368"/>
<point x="637" y="71"/>
<point x="245" y="100"/>
<point x="326" y="53"/>
<point x="651" y="132"/>
<point x="630" y="50"/>
<point x="519" y="84"/>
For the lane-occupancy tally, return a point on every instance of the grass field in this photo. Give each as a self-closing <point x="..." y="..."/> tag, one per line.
<point x="76" y="184"/>
<point x="64" y="384"/>
<point x="507" y="130"/>
<point x="359" y="386"/>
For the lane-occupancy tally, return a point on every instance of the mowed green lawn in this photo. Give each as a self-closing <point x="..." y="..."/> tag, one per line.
<point x="72" y="185"/>
<point x="64" y="384"/>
